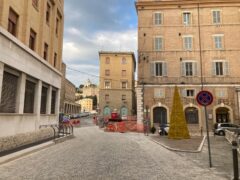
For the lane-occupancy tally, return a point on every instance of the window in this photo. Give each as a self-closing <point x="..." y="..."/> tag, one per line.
<point x="57" y="24"/>
<point x="29" y="97"/>
<point x="189" y="68"/>
<point x="216" y="15"/>
<point x="124" y="85"/>
<point x="124" y="60"/>
<point x="106" y="97"/>
<point x="190" y="93"/>
<point x="12" y="22"/>
<point x="220" y="68"/>
<point x="53" y="102"/>
<point x="107" y="85"/>
<point x="9" y="93"/>
<point x="35" y="3"/>
<point x="107" y="72"/>
<point x="218" y="42"/>
<point x="44" y="100"/>
<point x="186" y="18"/>
<point x="55" y="60"/>
<point x="48" y="13"/>
<point x="187" y="40"/>
<point x="159" y="93"/>
<point x="158" y="43"/>
<point x="107" y="60"/>
<point x="124" y="98"/>
<point x="221" y="93"/>
<point x="159" y="69"/>
<point x="45" y="52"/>
<point x="32" y="39"/>
<point x="124" y="72"/>
<point x="157" y="18"/>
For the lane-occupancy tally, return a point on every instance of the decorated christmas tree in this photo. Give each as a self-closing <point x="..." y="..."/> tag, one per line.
<point x="178" y="126"/>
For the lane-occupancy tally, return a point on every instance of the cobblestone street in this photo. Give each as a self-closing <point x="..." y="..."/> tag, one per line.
<point x="94" y="154"/>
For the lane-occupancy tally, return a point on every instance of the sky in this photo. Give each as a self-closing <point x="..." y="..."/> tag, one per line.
<point x="91" y="26"/>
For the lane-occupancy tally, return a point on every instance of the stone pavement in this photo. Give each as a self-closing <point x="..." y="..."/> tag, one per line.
<point x="97" y="155"/>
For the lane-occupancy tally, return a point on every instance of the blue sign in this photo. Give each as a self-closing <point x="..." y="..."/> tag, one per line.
<point x="204" y="98"/>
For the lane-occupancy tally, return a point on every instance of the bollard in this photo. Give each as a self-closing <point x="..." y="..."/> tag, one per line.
<point x="235" y="160"/>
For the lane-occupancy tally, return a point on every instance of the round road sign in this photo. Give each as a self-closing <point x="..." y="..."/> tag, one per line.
<point x="204" y="98"/>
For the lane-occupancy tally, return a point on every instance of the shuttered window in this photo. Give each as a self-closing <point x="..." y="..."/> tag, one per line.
<point x="158" y="43"/>
<point x="187" y="43"/>
<point x="189" y="68"/>
<point x="218" y="42"/>
<point x="216" y="14"/>
<point x="12" y="22"/>
<point x="159" y="69"/>
<point x="29" y="97"/>
<point x="9" y="93"/>
<point x="157" y="18"/>
<point x="53" y="102"/>
<point x="186" y="18"/>
<point x="44" y="100"/>
<point x="220" y="68"/>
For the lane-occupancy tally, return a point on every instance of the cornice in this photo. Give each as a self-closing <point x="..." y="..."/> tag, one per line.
<point x="140" y="4"/>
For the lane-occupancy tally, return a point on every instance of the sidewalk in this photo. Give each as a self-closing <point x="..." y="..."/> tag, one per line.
<point x="193" y="145"/>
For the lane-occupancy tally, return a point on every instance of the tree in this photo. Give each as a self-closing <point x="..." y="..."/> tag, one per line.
<point x="178" y="127"/>
<point x="81" y="86"/>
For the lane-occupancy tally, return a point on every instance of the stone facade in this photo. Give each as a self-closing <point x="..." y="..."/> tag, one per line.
<point x="189" y="44"/>
<point x="86" y="104"/>
<point x="68" y="90"/>
<point x="116" y="89"/>
<point x="30" y="63"/>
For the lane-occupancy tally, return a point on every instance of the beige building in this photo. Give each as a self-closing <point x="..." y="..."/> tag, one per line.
<point x="86" y="104"/>
<point x="178" y="43"/>
<point x="89" y="89"/>
<point x="116" y="89"/>
<point x="31" y="37"/>
<point x="68" y="90"/>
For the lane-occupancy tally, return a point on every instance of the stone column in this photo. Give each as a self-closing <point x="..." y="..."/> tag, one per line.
<point x="57" y="104"/>
<point x="139" y="93"/>
<point x="1" y="78"/>
<point x="21" y="93"/>
<point x="49" y="100"/>
<point x="37" y="102"/>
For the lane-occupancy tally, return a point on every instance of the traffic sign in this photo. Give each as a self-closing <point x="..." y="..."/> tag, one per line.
<point x="204" y="98"/>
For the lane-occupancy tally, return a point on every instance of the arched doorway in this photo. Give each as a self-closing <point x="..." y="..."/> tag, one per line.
<point x="106" y="111"/>
<point x="191" y="115"/>
<point x="160" y="115"/>
<point x="222" y="115"/>
<point x="124" y="111"/>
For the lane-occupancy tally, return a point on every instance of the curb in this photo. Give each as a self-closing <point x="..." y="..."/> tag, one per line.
<point x="24" y="152"/>
<point x="27" y="151"/>
<point x="181" y="150"/>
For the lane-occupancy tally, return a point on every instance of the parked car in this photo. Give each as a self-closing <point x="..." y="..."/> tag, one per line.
<point x="219" y="128"/>
<point x="163" y="129"/>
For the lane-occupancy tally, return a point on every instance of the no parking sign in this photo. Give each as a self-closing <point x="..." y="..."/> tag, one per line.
<point x="204" y="98"/>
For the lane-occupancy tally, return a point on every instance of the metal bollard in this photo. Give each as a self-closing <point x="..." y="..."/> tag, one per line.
<point x="235" y="160"/>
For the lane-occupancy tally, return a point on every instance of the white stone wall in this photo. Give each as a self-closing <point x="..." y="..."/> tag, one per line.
<point x="16" y="55"/>
<point x="139" y="94"/>
<point x="18" y="140"/>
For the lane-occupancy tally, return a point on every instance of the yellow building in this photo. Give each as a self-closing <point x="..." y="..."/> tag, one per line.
<point x="31" y="37"/>
<point x="188" y="43"/>
<point x="86" y="104"/>
<point x="116" y="89"/>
